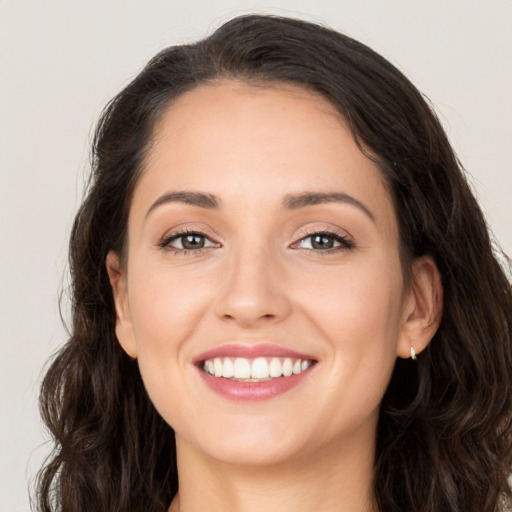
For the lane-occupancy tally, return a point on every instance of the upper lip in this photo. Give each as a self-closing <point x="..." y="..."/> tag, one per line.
<point x="250" y="352"/>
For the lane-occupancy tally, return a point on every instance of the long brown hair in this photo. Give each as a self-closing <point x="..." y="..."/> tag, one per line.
<point x="445" y="431"/>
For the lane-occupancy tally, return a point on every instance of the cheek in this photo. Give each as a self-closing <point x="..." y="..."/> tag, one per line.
<point x="166" y="306"/>
<point x="166" y="310"/>
<point x="358" y="311"/>
<point x="356" y="299"/>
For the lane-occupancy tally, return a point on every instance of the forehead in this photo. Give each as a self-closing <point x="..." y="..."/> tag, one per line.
<point x="237" y="140"/>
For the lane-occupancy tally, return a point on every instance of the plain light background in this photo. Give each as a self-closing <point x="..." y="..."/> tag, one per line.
<point x="61" y="61"/>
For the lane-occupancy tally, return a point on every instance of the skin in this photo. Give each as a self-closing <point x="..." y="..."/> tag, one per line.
<point x="259" y="280"/>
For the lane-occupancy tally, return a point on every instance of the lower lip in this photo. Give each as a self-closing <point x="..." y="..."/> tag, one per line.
<point x="246" y="391"/>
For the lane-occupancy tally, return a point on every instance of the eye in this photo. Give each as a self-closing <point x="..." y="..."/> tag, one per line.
<point x="188" y="241"/>
<point x="324" y="241"/>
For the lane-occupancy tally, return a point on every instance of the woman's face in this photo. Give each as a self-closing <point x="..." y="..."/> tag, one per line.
<point x="262" y="242"/>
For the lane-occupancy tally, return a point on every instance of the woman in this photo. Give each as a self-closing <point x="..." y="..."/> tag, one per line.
<point x="285" y="294"/>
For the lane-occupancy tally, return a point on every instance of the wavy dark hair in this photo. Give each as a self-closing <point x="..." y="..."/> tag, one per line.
<point x="445" y="431"/>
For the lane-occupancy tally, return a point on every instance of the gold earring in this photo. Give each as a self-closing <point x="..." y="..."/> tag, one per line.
<point x="413" y="353"/>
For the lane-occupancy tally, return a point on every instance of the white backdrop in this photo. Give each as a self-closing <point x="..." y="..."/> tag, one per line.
<point x="60" y="61"/>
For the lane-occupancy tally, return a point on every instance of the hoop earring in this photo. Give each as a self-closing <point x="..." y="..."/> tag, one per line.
<point x="413" y="353"/>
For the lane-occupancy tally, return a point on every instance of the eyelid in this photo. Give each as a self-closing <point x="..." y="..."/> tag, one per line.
<point x="177" y="233"/>
<point x="346" y="241"/>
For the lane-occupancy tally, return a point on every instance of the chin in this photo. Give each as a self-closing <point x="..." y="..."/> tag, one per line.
<point x="259" y="456"/>
<point x="256" y="445"/>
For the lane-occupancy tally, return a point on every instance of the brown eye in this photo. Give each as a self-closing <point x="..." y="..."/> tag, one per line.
<point x="322" y="242"/>
<point x="188" y="242"/>
<point x="192" y="241"/>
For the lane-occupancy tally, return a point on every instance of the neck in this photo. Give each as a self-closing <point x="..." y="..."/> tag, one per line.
<point x="338" y="479"/>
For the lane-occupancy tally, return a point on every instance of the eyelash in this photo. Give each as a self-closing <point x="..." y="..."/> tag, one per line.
<point x="165" y="243"/>
<point x="345" y="242"/>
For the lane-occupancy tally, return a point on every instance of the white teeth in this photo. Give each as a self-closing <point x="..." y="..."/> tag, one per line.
<point x="218" y="367"/>
<point x="260" y="368"/>
<point x="229" y="369"/>
<point x="287" y="367"/>
<point x="242" y="368"/>
<point x="276" y="368"/>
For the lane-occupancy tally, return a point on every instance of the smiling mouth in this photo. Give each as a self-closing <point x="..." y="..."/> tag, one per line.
<point x="260" y="369"/>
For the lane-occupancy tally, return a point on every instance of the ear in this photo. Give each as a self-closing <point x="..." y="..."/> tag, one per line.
<point x="124" y="328"/>
<point x="423" y="307"/>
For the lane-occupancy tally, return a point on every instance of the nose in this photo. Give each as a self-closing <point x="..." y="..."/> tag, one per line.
<point x="254" y="291"/>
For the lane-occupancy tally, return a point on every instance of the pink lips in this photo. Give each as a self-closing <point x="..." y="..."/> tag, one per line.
<point x="246" y="391"/>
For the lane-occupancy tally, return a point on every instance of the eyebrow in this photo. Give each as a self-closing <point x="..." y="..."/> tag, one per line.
<point x="296" y="201"/>
<point x="290" y="202"/>
<point x="199" y="199"/>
